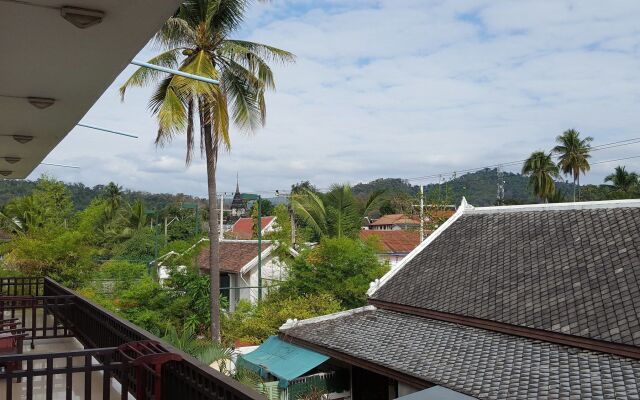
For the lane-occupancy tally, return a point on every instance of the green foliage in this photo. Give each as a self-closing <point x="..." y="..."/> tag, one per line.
<point x="193" y="290"/>
<point x="340" y="267"/>
<point x="254" y="323"/>
<point x="204" y="350"/>
<point x="623" y="180"/>
<point x="141" y="247"/>
<point x="573" y="155"/>
<point x="49" y="205"/>
<point x="337" y="213"/>
<point x="54" y="251"/>
<point x="542" y="171"/>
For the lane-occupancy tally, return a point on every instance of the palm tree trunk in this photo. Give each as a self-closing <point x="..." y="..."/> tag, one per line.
<point x="574" y="189"/>
<point x="578" y="188"/>
<point x="211" y="151"/>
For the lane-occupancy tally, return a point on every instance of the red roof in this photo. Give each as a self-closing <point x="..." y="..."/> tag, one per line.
<point x="233" y="255"/>
<point x="441" y="213"/>
<point x="243" y="228"/>
<point x="396" y="242"/>
<point x="397" y="219"/>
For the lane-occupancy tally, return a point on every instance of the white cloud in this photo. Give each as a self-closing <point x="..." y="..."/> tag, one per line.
<point x="398" y="89"/>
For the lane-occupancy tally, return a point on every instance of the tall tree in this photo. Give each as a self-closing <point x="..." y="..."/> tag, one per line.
<point x="112" y="195"/>
<point x="573" y="155"/>
<point x="622" y="179"/>
<point x="335" y="214"/>
<point x="196" y="40"/>
<point x="541" y="170"/>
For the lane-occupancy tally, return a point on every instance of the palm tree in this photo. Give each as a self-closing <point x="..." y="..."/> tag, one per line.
<point x="112" y="195"/>
<point x="541" y="170"/>
<point x="622" y="179"/>
<point x="574" y="156"/>
<point x="196" y="40"/>
<point x="335" y="214"/>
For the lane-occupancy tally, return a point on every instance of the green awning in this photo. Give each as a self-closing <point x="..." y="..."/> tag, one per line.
<point x="283" y="360"/>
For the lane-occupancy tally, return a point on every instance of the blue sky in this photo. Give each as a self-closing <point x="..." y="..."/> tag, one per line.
<point x="397" y="88"/>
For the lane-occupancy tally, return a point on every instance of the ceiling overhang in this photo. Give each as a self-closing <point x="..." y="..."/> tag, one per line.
<point x="45" y="55"/>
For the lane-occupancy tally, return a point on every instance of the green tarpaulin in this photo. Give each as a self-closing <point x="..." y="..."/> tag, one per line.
<point x="283" y="360"/>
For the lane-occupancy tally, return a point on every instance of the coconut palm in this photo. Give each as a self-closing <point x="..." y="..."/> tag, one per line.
<point x="622" y="179"/>
<point x="112" y="195"/>
<point x="337" y="213"/>
<point x="574" y="156"/>
<point x="196" y="41"/>
<point x="541" y="170"/>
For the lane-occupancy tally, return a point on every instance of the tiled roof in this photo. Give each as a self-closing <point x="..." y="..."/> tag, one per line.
<point x="243" y="228"/>
<point x="393" y="242"/>
<point x="571" y="271"/>
<point x="397" y="219"/>
<point x="233" y="255"/>
<point x="481" y="363"/>
<point x="441" y="213"/>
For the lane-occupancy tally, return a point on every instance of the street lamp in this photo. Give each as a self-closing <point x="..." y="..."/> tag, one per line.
<point x="256" y="197"/>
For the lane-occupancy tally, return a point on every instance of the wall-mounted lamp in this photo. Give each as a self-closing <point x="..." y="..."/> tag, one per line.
<point x="81" y="17"/>
<point x="6" y="173"/>
<point x="12" y="159"/>
<point x="22" y="139"/>
<point x="41" y="102"/>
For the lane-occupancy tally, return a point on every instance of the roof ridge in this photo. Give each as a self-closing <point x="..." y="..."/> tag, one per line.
<point x="584" y="205"/>
<point x="292" y="323"/>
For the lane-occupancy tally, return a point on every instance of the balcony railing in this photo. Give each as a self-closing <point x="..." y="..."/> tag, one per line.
<point x="101" y="332"/>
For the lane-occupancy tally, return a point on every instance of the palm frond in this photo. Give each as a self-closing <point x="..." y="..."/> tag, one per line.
<point x="310" y="208"/>
<point x="265" y="52"/>
<point x="176" y="32"/>
<point x="172" y="117"/>
<point x="144" y="76"/>
<point x="243" y="92"/>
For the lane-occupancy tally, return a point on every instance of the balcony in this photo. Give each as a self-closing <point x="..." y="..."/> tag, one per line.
<point x="70" y="348"/>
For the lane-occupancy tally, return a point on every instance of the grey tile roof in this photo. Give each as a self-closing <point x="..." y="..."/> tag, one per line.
<point x="481" y="363"/>
<point x="569" y="271"/>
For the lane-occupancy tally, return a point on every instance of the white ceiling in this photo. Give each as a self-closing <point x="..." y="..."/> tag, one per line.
<point x="43" y="55"/>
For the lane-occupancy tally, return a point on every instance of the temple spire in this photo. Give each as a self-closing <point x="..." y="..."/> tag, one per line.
<point x="237" y="183"/>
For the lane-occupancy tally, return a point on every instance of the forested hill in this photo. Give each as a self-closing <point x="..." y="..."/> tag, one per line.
<point x="82" y="195"/>
<point x="479" y="188"/>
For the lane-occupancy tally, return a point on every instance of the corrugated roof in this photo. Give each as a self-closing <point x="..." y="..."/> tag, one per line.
<point x="478" y="362"/>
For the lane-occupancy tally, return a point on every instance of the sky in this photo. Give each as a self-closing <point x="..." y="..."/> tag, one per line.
<point x="395" y="88"/>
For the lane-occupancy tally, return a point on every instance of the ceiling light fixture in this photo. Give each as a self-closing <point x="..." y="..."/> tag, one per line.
<point x="81" y="17"/>
<point x="22" y="139"/>
<point x="6" y="173"/>
<point x="41" y="102"/>
<point x="12" y="159"/>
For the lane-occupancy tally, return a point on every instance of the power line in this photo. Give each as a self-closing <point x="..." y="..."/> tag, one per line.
<point x="604" y="146"/>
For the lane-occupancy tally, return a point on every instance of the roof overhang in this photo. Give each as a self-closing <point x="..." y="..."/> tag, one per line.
<point x="46" y="56"/>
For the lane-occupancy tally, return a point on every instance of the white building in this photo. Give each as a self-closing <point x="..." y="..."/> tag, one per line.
<point x="239" y="268"/>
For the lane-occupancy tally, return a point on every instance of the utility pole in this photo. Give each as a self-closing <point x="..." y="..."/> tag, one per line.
<point x="421" y="213"/>
<point x="221" y="217"/>
<point x="256" y="197"/>
<point x="500" y="193"/>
